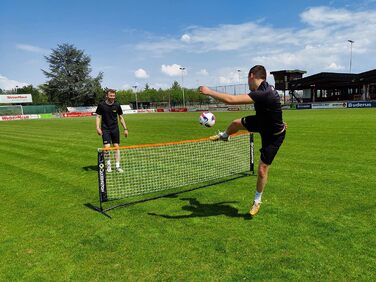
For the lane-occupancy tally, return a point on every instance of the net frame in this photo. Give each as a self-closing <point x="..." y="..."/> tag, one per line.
<point x="179" y="163"/>
<point x="11" y="110"/>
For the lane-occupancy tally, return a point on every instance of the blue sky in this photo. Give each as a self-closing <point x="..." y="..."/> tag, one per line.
<point x="138" y="42"/>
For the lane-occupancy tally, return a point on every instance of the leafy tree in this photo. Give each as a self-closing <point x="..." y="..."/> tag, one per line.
<point x="175" y="86"/>
<point x="70" y="83"/>
<point x="125" y="97"/>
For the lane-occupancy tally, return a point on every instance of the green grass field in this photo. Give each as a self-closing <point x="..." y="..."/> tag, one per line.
<point x="317" y="221"/>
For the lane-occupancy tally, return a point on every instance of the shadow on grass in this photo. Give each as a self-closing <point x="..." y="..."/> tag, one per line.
<point x="198" y="209"/>
<point x="207" y="207"/>
<point x="90" y="168"/>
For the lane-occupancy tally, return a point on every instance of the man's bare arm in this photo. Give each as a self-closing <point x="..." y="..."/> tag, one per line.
<point x="226" y="98"/>
<point x="98" y="124"/>
<point x="122" y="121"/>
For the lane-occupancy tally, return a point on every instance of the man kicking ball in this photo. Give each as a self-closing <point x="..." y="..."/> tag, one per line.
<point x="267" y="121"/>
<point x="108" y="113"/>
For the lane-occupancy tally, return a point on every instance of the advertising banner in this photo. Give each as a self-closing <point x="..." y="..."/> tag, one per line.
<point x="15" y="98"/>
<point x="303" y="106"/>
<point x="19" y="117"/>
<point x="329" y="105"/>
<point x="361" y="104"/>
<point x="75" y="114"/>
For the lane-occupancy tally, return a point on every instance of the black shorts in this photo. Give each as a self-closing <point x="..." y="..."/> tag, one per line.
<point x="111" y="136"/>
<point x="270" y="142"/>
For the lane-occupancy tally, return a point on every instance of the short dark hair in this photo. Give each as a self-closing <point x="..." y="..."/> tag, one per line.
<point x="109" y="90"/>
<point x="258" y="72"/>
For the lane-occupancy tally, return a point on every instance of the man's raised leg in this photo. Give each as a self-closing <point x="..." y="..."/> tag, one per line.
<point x="234" y="127"/>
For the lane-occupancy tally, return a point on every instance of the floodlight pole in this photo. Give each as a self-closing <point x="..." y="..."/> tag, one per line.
<point x="182" y="83"/>
<point x="238" y="71"/>
<point x="135" y="93"/>
<point x="351" y="44"/>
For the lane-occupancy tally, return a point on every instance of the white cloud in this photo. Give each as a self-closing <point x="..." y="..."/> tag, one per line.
<point x="319" y="44"/>
<point x="173" y="70"/>
<point x="335" y="67"/>
<point x="141" y="73"/>
<point x="8" y="84"/>
<point x="222" y="38"/>
<point x="318" y="16"/>
<point x="323" y="16"/>
<point x="185" y="38"/>
<point x="203" y="72"/>
<point x="229" y="78"/>
<point x="31" y="48"/>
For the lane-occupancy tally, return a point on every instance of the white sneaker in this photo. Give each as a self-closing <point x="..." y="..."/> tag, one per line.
<point x="109" y="169"/>
<point x="119" y="170"/>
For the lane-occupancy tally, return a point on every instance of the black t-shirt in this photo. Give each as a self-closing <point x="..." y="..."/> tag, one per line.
<point x="109" y="114"/>
<point x="268" y="108"/>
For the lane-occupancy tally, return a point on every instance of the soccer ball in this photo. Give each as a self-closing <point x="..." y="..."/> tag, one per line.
<point x="207" y="119"/>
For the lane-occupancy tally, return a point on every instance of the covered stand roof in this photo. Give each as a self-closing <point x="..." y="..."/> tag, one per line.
<point x="326" y="80"/>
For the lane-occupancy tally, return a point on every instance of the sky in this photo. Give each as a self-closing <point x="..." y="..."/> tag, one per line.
<point x="216" y="42"/>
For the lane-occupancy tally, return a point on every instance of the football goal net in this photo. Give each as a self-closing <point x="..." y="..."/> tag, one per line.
<point x="11" y="110"/>
<point x="158" y="167"/>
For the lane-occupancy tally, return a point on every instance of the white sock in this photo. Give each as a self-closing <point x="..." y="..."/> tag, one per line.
<point x="117" y="164"/>
<point x="258" y="197"/>
<point x="108" y="163"/>
<point x="224" y="134"/>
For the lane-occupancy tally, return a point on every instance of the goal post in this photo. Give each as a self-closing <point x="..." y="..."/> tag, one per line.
<point x="11" y="110"/>
<point x="159" y="167"/>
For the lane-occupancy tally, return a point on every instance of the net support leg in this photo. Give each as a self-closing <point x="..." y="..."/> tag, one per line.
<point x="251" y="154"/>
<point x="102" y="182"/>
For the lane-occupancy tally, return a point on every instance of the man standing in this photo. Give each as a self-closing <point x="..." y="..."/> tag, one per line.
<point x="108" y="113"/>
<point x="267" y="121"/>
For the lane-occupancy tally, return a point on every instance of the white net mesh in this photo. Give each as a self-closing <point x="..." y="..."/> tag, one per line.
<point x="11" y="110"/>
<point x="153" y="168"/>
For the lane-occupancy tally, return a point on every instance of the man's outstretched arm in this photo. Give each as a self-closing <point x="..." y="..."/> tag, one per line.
<point x="226" y="98"/>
